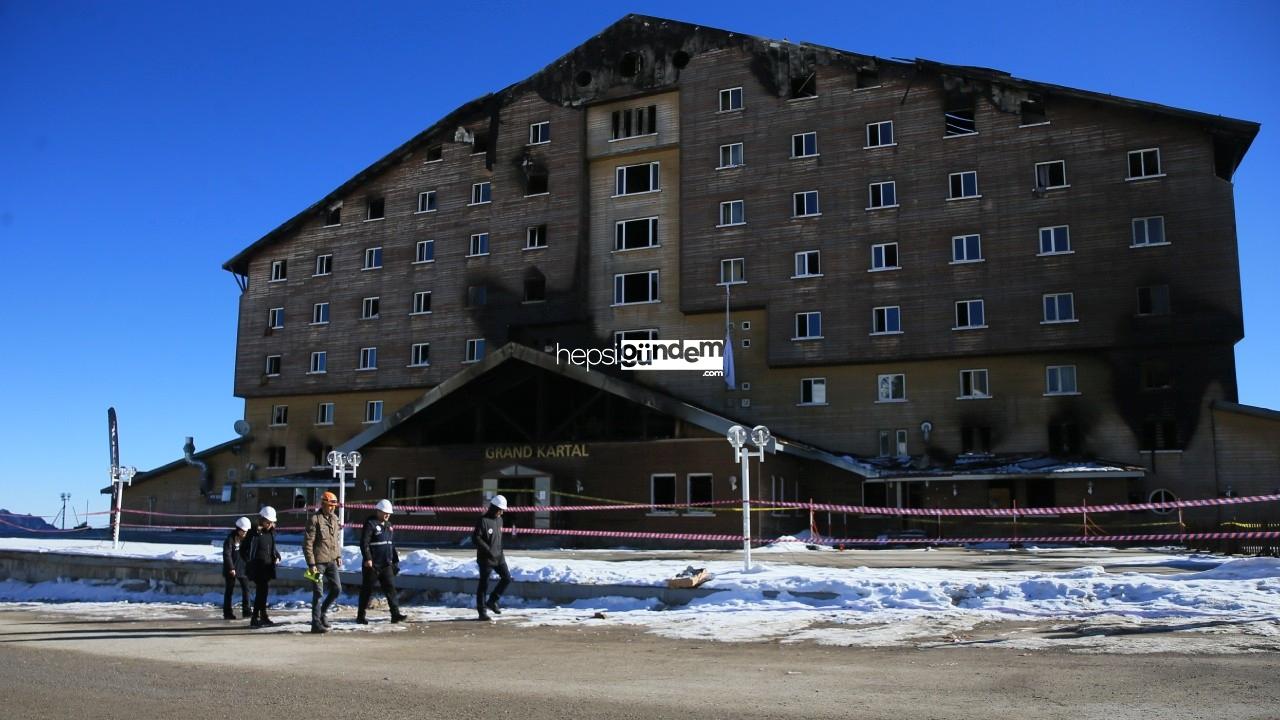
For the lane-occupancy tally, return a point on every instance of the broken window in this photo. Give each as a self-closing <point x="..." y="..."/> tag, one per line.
<point x="1160" y="434"/>
<point x="635" y="121"/>
<point x="1064" y="438"/>
<point x="1155" y="375"/>
<point x="813" y="391"/>
<point x="633" y="179"/>
<point x="700" y="488"/>
<point x="477" y="295"/>
<point x="960" y="119"/>
<point x="275" y="456"/>
<point x="535" y="289"/>
<point x="630" y="65"/>
<point x="535" y="237"/>
<point x="635" y="234"/>
<point x="480" y="142"/>
<point x="1153" y="300"/>
<point x="662" y="489"/>
<point x="536" y="182"/>
<point x="435" y="153"/>
<point x="963" y="185"/>
<point x="804" y="86"/>
<point x="867" y="77"/>
<point x="975" y="439"/>
<point x="1033" y="111"/>
<point x="334" y="215"/>
<point x="641" y="287"/>
<point x="1050" y="175"/>
<point x="273" y="365"/>
<point x="375" y="208"/>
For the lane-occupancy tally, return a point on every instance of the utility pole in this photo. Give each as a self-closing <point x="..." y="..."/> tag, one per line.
<point x="63" y="514"/>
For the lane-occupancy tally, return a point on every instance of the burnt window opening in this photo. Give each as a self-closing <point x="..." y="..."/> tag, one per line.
<point x="375" y="208"/>
<point x="1040" y="493"/>
<point x="804" y="86"/>
<point x="1155" y="375"/>
<point x="634" y="122"/>
<point x="1064" y="438"/>
<point x="1153" y="300"/>
<point x="334" y="215"/>
<point x="975" y="439"/>
<point x="635" y="234"/>
<point x="536" y="182"/>
<point x="535" y="237"/>
<point x="1033" y="111"/>
<point x="1160" y="433"/>
<point x="477" y="295"/>
<point x="680" y="59"/>
<point x="480" y="142"/>
<point x="275" y="456"/>
<point x="435" y="152"/>
<point x="583" y="78"/>
<point x="320" y="454"/>
<point x="535" y="289"/>
<point x="960" y="117"/>
<point x="867" y="77"/>
<point x="630" y="65"/>
<point x="1225" y="158"/>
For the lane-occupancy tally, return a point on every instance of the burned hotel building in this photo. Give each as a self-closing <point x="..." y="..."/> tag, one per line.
<point x="947" y="287"/>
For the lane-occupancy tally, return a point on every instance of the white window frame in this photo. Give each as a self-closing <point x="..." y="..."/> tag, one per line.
<point x="324" y="413"/>
<point x="619" y="233"/>
<point x="638" y="334"/>
<point x="880" y="264"/>
<point x="879" y="135"/>
<point x="279" y="271"/>
<point x="882" y="379"/>
<point x="368" y="359"/>
<point x="880" y="317"/>
<point x="817" y="386"/>
<point x="739" y="263"/>
<point x="431" y="204"/>
<point x="803" y="197"/>
<point x="1075" y="317"/>
<point x="803" y="138"/>
<point x="808" y="325"/>
<point x="962" y="175"/>
<point x="370" y="307"/>
<point x="372" y="255"/>
<point x="418" y="249"/>
<point x="1036" y="175"/>
<point x="279" y="415"/>
<point x="421" y="299"/>
<point x="417" y="349"/>
<point x="675" y="495"/>
<point x="275" y="318"/>
<point x="974" y="393"/>
<point x="327" y="261"/>
<point x="968" y="305"/>
<point x="539" y="133"/>
<point x="726" y="213"/>
<point x="1159" y="173"/>
<point x="319" y="363"/>
<point x="806" y="254"/>
<point x="477" y="247"/>
<point x="1053" y="375"/>
<point x="1146" y="223"/>
<point x="266" y="368"/>
<point x="620" y="184"/>
<point x="320" y="308"/>
<point x="871" y="194"/>
<point x="728" y="149"/>
<point x="619" y="287"/>
<point x="372" y="412"/>
<point x="965" y="247"/>
<point x="481" y="193"/>
<point x="474" y="351"/>
<point x="1053" y="240"/>
<point x="729" y="94"/>
<point x="532" y="234"/>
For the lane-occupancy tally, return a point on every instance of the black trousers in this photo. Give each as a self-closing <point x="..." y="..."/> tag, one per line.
<point x="260" y="589"/>
<point x="231" y="590"/>
<point x="385" y="577"/>
<point x="504" y="579"/>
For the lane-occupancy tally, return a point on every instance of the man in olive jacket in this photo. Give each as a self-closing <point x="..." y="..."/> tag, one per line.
<point x="487" y="537"/>
<point x="381" y="562"/>
<point x="322" y="548"/>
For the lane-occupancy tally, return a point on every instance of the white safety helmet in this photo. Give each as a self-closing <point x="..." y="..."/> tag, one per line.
<point x="244" y="524"/>
<point x="267" y="513"/>
<point x="383" y="506"/>
<point x="499" y="502"/>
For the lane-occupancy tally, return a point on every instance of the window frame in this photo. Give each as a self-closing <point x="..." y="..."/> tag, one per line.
<point x="327" y="261"/>
<point x="478" y="245"/>
<point x="1141" y="153"/>
<point x="809" y="316"/>
<point x="482" y="190"/>
<point x="279" y="271"/>
<point x="1049" y="175"/>
<point x="319" y="364"/>
<point x="372" y="412"/>
<point x="533" y="234"/>
<point x="804" y="144"/>
<point x="620" y="179"/>
<point x="968" y="305"/>
<point x="653" y="285"/>
<point x="879" y="135"/>
<point x="620" y="233"/>
<point x="368" y="359"/>
<point x="1075" y="317"/>
<point x="370" y="307"/>
<point x="728" y="93"/>
<point x="416" y="349"/>
<point x="796" y="264"/>
<point x="813" y="384"/>
<point x="279" y="363"/>
<point x="279" y="416"/>
<point x="653" y="496"/>
<point x="881" y="397"/>
<point x="324" y="413"/>
<point x="370" y="203"/>
<point x="431" y="202"/>
<point x="692" y="510"/>
<point x="1054" y="374"/>
<point x="962" y="176"/>
<point x="740" y="263"/>
<point x="871" y="194"/>
<point x="730" y="205"/>
<point x="539" y="133"/>
<point x="974" y="393"/>
<point x="882" y="265"/>
<point x="1152" y="296"/>
<point x="418" y="253"/>
<point x="275" y="318"/>
<point x="474" y="351"/>
<point x="372" y="255"/>
<point x="741" y="153"/>
<point x="880" y="317"/>
<point x="1053" y="240"/>
<point x="966" y="260"/>
<point x="421" y="299"/>
<point x="800" y="200"/>
<point x="1146" y="231"/>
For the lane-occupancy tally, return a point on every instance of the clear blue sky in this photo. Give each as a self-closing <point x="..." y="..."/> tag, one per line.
<point x="142" y="144"/>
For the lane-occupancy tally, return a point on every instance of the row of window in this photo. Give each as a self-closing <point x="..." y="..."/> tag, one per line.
<point x="974" y="385"/>
<point x="969" y="315"/>
<point x="419" y="356"/>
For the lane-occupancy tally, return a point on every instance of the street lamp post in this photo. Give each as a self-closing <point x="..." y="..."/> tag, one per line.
<point x="120" y="476"/>
<point x="65" y="497"/>
<point x="342" y="464"/>
<point x="738" y="438"/>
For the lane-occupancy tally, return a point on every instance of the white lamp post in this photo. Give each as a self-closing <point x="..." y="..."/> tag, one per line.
<point x="738" y="437"/>
<point x="120" y="476"/>
<point x="342" y="464"/>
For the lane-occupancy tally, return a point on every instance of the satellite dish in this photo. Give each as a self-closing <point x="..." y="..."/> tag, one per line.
<point x="241" y="427"/>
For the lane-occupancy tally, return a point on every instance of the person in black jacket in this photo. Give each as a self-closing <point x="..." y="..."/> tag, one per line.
<point x="261" y="557"/>
<point x="381" y="561"/>
<point x="233" y="570"/>
<point x="487" y="538"/>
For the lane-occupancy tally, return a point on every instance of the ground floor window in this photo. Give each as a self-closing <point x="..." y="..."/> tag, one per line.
<point x="662" y="491"/>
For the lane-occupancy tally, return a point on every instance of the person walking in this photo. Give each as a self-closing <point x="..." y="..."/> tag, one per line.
<point x="487" y="538"/>
<point x="322" y="548"/>
<point x="381" y="561"/>
<point x="260" y="558"/>
<point x="233" y="570"/>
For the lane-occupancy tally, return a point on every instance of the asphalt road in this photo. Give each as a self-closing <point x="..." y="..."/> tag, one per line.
<point x="59" y="666"/>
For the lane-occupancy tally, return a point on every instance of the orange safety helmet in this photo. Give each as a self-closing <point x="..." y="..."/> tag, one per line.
<point x="329" y="498"/>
